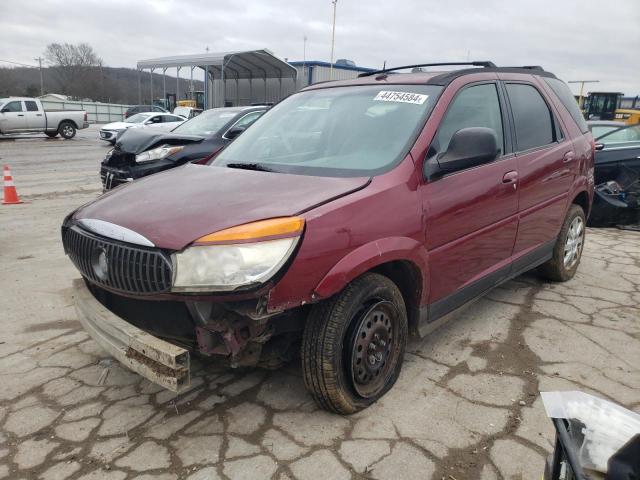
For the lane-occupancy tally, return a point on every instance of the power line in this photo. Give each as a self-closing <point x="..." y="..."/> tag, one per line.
<point x="18" y="63"/>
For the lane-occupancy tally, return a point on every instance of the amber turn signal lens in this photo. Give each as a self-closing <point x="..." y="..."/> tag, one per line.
<point x="256" y="231"/>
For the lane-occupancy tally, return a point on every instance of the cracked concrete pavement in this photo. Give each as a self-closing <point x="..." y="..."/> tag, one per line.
<point x="466" y="405"/>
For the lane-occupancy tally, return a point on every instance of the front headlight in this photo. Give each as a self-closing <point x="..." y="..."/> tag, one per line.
<point x="237" y="257"/>
<point x="157" y="153"/>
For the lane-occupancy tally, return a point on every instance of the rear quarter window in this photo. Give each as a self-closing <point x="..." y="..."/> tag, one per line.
<point x="566" y="97"/>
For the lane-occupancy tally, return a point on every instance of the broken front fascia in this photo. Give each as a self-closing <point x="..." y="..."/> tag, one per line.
<point x="244" y="333"/>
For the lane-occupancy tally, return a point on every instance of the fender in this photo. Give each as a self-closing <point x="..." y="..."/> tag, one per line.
<point x="370" y="255"/>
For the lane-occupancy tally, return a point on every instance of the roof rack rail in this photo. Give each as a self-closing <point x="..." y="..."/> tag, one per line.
<point x="485" y="64"/>
<point x="529" y="67"/>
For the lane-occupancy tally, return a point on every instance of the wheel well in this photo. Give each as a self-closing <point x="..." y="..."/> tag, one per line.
<point x="582" y="199"/>
<point x="406" y="275"/>
<point x="70" y="121"/>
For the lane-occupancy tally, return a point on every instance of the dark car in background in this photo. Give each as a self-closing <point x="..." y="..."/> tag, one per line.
<point x="617" y="179"/>
<point x="142" y="152"/>
<point x="143" y="108"/>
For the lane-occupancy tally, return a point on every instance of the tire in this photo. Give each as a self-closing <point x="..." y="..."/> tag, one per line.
<point x="568" y="248"/>
<point x="67" y="130"/>
<point x="353" y="344"/>
<point x="51" y="134"/>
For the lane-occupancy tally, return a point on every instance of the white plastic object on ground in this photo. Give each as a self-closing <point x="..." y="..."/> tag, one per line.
<point x="607" y="426"/>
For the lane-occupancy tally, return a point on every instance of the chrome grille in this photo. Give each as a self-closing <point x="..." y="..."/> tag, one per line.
<point x="130" y="269"/>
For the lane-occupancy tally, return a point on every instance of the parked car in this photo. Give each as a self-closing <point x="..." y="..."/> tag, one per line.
<point x="187" y="112"/>
<point x="352" y="214"/>
<point x="129" y="112"/>
<point x="617" y="178"/>
<point x="599" y="127"/>
<point x="26" y="115"/>
<point x="142" y="153"/>
<point x="155" y="121"/>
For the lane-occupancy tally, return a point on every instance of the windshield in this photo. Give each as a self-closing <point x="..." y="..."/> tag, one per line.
<point x="137" y="118"/>
<point x="207" y="123"/>
<point x="621" y="135"/>
<point x="340" y="131"/>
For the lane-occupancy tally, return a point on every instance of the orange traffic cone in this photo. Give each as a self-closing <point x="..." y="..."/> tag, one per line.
<point x="10" y="193"/>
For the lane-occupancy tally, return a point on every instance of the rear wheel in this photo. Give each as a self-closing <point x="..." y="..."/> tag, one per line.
<point x="67" y="130"/>
<point x="568" y="249"/>
<point x="51" y="134"/>
<point x="353" y="344"/>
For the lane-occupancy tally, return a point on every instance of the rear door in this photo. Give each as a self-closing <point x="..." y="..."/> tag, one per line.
<point x="36" y="120"/>
<point x="546" y="169"/>
<point x="471" y="215"/>
<point x="12" y="118"/>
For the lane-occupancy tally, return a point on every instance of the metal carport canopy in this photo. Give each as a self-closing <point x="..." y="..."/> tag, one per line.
<point x="236" y="65"/>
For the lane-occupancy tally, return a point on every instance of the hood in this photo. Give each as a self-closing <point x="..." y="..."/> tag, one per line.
<point x="174" y="208"/>
<point x="138" y="140"/>
<point x="117" y="126"/>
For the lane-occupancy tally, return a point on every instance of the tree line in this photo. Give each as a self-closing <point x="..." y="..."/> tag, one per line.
<point x="78" y="71"/>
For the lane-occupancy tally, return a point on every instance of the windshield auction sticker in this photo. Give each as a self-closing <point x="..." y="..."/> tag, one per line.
<point x="402" y="97"/>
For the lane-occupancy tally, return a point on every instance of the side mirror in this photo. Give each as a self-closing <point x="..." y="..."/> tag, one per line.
<point x="234" y="132"/>
<point x="468" y="148"/>
<point x="4" y="110"/>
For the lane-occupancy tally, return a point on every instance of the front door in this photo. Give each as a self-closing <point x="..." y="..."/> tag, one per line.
<point x="12" y="118"/>
<point x="470" y="215"/>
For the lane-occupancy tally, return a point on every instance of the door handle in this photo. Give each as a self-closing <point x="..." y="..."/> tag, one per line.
<point x="21" y="114"/>
<point x="38" y="114"/>
<point x="510" y="177"/>
<point x="568" y="157"/>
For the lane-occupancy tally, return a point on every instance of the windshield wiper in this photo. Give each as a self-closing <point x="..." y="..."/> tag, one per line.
<point x="250" y="166"/>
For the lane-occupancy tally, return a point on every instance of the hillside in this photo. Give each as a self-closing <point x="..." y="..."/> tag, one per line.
<point x="107" y="84"/>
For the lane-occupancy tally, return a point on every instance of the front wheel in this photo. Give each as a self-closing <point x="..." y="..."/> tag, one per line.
<point x="67" y="130"/>
<point x="568" y="249"/>
<point x="353" y="344"/>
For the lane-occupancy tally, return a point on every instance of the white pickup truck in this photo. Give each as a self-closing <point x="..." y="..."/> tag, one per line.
<point x="26" y="115"/>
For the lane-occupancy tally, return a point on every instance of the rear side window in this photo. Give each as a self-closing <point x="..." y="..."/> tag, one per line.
<point x="566" y="97"/>
<point x="31" y="106"/>
<point x="475" y="106"/>
<point x="532" y="117"/>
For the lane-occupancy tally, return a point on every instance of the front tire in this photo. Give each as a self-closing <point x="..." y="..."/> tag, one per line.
<point x="353" y="344"/>
<point x="568" y="249"/>
<point x="67" y="130"/>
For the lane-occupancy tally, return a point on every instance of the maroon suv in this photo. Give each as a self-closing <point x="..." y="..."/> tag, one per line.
<point x="351" y="215"/>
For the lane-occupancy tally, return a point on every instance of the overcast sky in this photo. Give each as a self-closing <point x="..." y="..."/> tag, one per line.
<point x="575" y="39"/>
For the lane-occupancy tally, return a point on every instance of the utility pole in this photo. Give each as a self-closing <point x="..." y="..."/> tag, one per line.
<point x="333" y="37"/>
<point x="39" y="60"/>
<point x="304" y="59"/>
<point x="582" y="82"/>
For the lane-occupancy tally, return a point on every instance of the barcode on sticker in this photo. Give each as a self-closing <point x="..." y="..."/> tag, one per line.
<point x="403" y="97"/>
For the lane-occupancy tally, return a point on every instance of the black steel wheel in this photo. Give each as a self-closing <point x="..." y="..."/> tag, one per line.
<point x="353" y="344"/>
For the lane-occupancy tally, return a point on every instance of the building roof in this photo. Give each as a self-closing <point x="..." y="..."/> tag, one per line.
<point x="237" y="65"/>
<point x="341" y="66"/>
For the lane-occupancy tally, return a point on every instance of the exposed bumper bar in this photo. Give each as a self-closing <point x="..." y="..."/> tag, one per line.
<point x="156" y="360"/>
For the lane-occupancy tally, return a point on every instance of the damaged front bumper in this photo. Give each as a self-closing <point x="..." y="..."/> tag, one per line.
<point x="156" y="360"/>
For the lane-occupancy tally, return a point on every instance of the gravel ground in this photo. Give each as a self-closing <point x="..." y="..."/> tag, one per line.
<point x="465" y="407"/>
